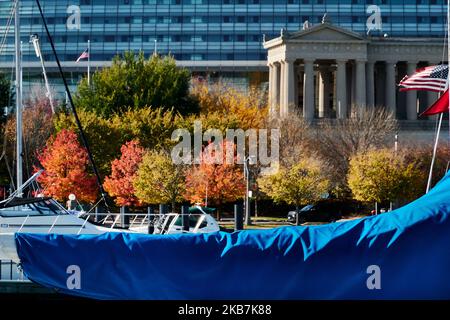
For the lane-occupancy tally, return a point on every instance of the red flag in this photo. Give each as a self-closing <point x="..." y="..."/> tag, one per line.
<point x="440" y="106"/>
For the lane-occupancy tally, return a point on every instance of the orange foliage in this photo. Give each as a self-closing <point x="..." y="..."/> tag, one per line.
<point x="220" y="183"/>
<point x="65" y="162"/>
<point x="250" y="108"/>
<point x="123" y="171"/>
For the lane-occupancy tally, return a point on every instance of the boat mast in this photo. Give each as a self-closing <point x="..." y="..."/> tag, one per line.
<point x="19" y="147"/>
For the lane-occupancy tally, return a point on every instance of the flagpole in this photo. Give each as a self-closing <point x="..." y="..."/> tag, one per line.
<point x="448" y="59"/>
<point x="89" y="62"/>
<point x="441" y="116"/>
<point x="430" y="176"/>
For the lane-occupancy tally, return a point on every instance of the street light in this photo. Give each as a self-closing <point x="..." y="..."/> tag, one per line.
<point x="34" y="39"/>
<point x="248" y="220"/>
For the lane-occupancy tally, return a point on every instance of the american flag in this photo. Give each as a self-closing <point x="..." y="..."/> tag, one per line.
<point x="432" y="78"/>
<point x="84" y="55"/>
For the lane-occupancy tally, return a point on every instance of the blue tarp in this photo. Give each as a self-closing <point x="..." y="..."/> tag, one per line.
<point x="411" y="247"/>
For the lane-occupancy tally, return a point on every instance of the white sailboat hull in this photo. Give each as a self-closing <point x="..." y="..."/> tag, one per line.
<point x="60" y="224"/>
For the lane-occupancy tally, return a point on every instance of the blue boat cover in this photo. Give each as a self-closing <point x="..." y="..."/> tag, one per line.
<point x="404" y="254"/>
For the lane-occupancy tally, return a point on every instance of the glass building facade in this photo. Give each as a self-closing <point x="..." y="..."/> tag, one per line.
<point x="200" y="33"/>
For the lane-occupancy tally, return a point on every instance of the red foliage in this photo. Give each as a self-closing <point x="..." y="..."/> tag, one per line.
<point x="65" y="162"/>
<point x="123" y="171"/>
<point x="219" y="182"/>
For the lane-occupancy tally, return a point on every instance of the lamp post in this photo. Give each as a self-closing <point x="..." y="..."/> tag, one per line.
<point x="248" y="220"/>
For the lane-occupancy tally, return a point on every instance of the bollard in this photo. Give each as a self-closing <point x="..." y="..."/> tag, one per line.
<point x="150" y="217"/>
<point x="162" y="209"/>
<point x="124" y="219"/>
<point x="238" y="217"/>
<point x="185" y="218"/>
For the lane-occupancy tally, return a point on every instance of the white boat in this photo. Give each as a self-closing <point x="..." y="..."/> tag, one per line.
<point x="39" y="215"/>
<point x="46" y="216"/>
<point x="172" y="223"/>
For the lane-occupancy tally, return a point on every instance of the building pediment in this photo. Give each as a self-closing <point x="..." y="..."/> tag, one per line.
<point x="325" y="32"/>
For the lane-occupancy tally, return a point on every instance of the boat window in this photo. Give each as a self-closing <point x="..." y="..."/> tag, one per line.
<point x="203" y="224"/>
<point x="307" y="208"/>
<point x="193" y="220"/>
<point x="44" y="208"/>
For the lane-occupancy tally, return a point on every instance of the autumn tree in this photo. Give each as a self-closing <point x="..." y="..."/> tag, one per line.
<point x="215" y="178"/>
<point x="37" y="128"/>
<point x="5" y="95"/>
<point x="250" y="107"/>
<point x="421" y="155"/>
<point x="132" y="81"/>
<point x="65" y="164"/>
<point x="296" y="138"/>
<point x="152" y="127"/>
<point x="382" y="176"/>
<point x="300" y="184"/>
<point x="336" y="141"/>
<point x="104" y="139"/>
<point x="159" y="180"/>
<point x="123" y="171"/>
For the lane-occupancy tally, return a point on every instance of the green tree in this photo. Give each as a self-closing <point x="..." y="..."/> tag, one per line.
<point x="299" y="184"/>
<point x="135" y="82"/>
<point x="159" y="180"/>
<point x="384" y="176"/>
<point x="5" y="95"/>
<point x="152" y="127"/>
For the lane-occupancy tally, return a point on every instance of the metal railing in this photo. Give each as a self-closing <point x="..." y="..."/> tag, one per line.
<point x="9" y="271"/>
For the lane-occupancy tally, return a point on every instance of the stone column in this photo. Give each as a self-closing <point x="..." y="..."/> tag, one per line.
<point x="324" y="92"/>
<point x="360" y="94"/>
<point x="282" y="89"/>
<point x="275" y="85"/>
<point x="370" y="84"/>
<point x="271" y="90"/>
<point x="308" y="91"/>
<point x="297" y="82"/>
<point x="411" y="96"/>
<point x="341" y="89"/>
<point x="391" y="88"/>
<point x="290" y="82"/>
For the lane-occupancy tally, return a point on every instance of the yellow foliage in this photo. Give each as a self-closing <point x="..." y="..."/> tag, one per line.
<point x="381" y="175"/>
<point x="159" y="180"/>
<point x="300" y="184"/>
<point x="225" y="100"/>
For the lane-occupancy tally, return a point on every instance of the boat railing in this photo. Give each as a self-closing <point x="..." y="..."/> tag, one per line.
<point x="9" y="271"/>
<point x="134" y="220"/>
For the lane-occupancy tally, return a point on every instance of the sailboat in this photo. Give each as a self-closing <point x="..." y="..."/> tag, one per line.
<point x="40" y="214"/>
<point x="401" y="255"/>
<point x="45" y="215"/>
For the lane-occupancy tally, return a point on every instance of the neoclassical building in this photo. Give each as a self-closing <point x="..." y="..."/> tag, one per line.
<point x="329" y="72"/>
